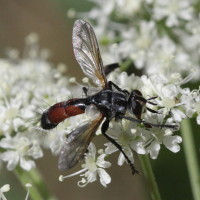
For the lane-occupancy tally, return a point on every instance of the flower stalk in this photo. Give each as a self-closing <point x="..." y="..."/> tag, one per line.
<point x="149" y="175"/>
<point x="191" y="158"/>
<point x="39" y="188"/>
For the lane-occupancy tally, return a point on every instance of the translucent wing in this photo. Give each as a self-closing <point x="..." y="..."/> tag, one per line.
<point x="77" y="143"/>
<point x="87" y="52"/>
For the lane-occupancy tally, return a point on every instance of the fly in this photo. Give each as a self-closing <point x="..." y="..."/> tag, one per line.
<point x="111" y="101"/>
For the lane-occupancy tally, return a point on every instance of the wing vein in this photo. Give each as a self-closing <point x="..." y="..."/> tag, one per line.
<point x="87" y="52"/>
<point x="77" y="142"/>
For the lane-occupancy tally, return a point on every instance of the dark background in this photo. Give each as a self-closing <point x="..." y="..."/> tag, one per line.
<point x="18" y="18"/>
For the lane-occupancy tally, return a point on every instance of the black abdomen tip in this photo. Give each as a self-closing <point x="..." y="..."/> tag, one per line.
<point x="45" y="122"/>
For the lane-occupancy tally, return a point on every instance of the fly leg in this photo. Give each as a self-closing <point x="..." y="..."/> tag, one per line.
<point x="104" y="128"/>
<point x="109" y="68"/>
<point x="139" y="121"/>
<point x="152" y="98"/>
<point x="85" y="90"/>
<point x="152" y="111"/>
<point x="111" y="84"/>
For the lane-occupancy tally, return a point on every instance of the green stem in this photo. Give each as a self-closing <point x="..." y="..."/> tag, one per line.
<point x="148" y="172"/>
<point x="39" y="189"/>
<point x="191" y="158"/>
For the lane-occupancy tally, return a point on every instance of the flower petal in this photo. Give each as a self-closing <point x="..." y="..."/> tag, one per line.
<point x="26" y="164"/>
<point x="189" y="112"/>
<point x="17" y="122"/>
<point x="101" y="162"/>
<point x="92" y="176"/>
<point x="171" y="142"/>
<point x="172" y="21"/>
<point x="8" y="155"/>
<point x="153" y="149"/>
<point x="12" y="157"/>
<point x="111" y="148"/>
<point x="178" y="115"/>
<point x="92" y="150"/>
<point x="198" y="119"/>
<point x="7" y="142"/>
<point x="121" y="159"/>
<point x="104" y="177"/>
<point x="138" y="147"/>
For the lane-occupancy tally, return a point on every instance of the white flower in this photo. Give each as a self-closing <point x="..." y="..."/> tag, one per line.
<point x="162" y="52"/>
<point x="172" y="10"/>
<point x="10" y="115"/>
<point x="192" y="104"/>
<point x="128" y="136"/>
<point x="168" y="94"/>
<point x="93" y="167"/>
<point x="137" y="43"/>
<point x="191" y="41"/>
<point x="60" y="139"/>
<point x="3" y="189"/>
<point x="128" y="8"/>
<point x="19" y="148"/>
<point x="157" y="136"/>
<point x="123" y="80"/>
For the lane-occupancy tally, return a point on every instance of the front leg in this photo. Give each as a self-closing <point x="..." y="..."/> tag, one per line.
<point x="139" y="121"/>
<point x="104" y="128"/>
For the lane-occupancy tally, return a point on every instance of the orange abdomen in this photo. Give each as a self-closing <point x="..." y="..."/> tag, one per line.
<point x="60" y="111"/>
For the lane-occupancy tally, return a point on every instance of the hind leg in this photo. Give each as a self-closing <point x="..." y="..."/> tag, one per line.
<point x="104" y="128"/>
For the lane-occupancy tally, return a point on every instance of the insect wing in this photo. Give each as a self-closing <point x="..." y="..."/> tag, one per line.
<point x="87" y="52"/>
<point x="77" y="143"/>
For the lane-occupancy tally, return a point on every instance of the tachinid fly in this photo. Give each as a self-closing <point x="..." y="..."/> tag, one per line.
<point x="112" y="102"/>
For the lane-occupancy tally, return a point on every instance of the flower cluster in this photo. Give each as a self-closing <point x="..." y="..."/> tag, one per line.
<point x="27" y="84"/>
